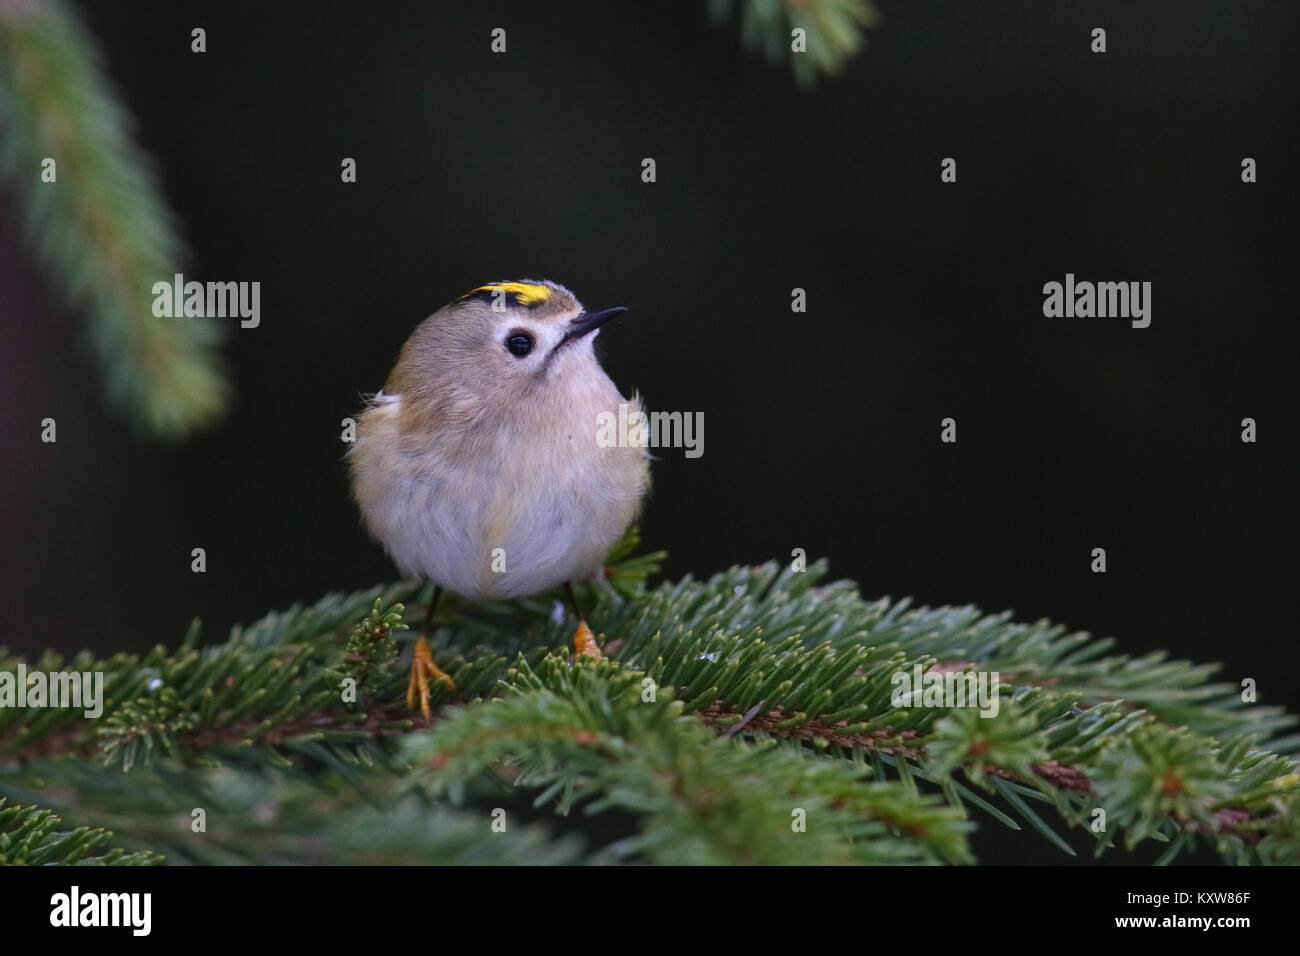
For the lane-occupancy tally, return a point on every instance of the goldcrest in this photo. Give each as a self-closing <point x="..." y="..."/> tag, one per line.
<point x="478" y="466"/>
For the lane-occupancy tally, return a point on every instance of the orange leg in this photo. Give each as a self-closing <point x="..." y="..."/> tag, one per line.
<point x="584" y="642"/>
<point x="423" y="670"/>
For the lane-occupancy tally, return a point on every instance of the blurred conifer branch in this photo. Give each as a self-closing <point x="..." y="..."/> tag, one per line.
<point x="33" y="836"/>
<point x="724" y="709"/>
<point x="833" y="31"/>
<point x="101" y="229"/>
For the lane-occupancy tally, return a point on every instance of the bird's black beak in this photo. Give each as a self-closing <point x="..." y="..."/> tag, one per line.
<point x="589" y="322"/>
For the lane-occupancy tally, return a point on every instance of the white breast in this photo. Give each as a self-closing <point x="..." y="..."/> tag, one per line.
<point x="502" y="514"/>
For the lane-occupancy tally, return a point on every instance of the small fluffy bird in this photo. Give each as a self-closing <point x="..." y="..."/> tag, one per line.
<point x="478" y="466"/>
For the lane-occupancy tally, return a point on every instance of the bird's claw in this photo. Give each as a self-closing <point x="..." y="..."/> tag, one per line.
<point x="423" y="669"/>
<point x="584" y="642"/>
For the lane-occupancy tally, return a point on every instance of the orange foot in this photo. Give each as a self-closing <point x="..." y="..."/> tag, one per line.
<point x="423" y="669"/>
<point x="584" y="642"/>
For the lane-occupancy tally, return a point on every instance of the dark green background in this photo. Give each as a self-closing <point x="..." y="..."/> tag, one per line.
<point x="821" y="429"/>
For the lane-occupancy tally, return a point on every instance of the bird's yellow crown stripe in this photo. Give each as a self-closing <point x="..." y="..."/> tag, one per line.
<point x="525" y="293"/>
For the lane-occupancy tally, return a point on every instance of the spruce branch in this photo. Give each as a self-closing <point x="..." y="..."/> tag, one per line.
<point x="585" y="734"/>
<point x="371" y="644"/>
<point x="100" y="227"/>
<point x="31" y="835"/>
<point x="256" y="817"/>
<point x="832" y="32"/>
<point x="723" y="706"/>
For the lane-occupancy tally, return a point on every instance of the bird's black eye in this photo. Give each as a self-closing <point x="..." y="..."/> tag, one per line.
<point x="519" y="343"/>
